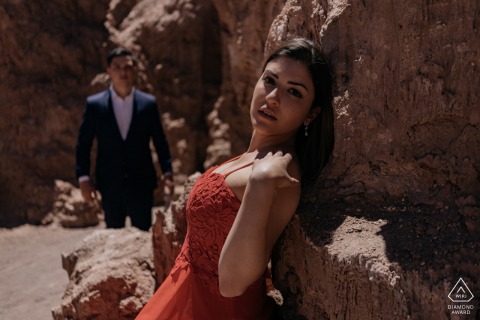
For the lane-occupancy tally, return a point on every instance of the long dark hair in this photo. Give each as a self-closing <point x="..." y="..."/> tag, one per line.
<point x="315" y="149"/>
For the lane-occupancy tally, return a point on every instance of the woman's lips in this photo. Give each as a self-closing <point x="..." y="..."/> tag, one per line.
<point x="267" y="114"/>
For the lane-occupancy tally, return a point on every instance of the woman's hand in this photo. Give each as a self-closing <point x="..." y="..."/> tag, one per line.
<point x="273" y="169"/>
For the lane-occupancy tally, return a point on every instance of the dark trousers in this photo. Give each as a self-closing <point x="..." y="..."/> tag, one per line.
<point x="118" y="204"/>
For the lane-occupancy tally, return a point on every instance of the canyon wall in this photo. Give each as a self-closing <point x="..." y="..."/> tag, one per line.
<point x="50" y="52"/>
<point x="393" y="221"/>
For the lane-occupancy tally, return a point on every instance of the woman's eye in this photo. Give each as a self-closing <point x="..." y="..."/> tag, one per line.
<point x="295" y="93"/>
<point x="268" y="80"/>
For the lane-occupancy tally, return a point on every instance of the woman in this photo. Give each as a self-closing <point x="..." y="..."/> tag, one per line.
<point x="220" y="272"/>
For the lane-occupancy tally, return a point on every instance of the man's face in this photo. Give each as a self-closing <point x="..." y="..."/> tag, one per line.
<point x="122" y="73"/>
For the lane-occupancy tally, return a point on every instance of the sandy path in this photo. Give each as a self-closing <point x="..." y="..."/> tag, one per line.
<point x="32" y="279"/>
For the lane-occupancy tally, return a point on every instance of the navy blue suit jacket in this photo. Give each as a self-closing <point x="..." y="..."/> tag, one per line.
<point x="122" y="162"/>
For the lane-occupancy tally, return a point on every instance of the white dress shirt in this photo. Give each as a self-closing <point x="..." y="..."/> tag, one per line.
<point x="123" y="109"/>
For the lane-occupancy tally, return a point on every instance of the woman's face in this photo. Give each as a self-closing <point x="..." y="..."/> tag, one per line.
<point x="282" y="98"/>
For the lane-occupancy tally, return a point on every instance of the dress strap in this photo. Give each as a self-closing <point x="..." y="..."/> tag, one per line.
<point x="236" y="169"/>
<point x="233" y="159"/>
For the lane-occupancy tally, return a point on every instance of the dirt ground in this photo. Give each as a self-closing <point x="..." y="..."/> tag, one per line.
<point x="32" y="279"/>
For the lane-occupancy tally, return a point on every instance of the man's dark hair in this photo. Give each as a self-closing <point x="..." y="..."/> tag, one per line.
<point x="119" y="52"/>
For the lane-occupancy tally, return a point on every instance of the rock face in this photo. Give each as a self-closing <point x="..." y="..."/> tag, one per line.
<point x="50" y="53"/>
<point x="169" y="232"/>
<point x="360" y="262"/>
<point x="243" y="37"/>
<point x="111" y="276"/>
<point x="394" y="220"/>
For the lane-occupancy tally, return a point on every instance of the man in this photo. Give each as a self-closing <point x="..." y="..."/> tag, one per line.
<point x="123" y="120"/>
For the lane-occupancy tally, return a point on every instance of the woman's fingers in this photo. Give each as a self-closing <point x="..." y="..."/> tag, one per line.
<point x="273" y="166"/>
<point x="288" y="156"/>
<point x="288" y="181"/>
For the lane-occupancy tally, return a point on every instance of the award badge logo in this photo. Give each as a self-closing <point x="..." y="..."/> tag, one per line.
<point x="461" y="295"/>
<point x="460" y="292"/>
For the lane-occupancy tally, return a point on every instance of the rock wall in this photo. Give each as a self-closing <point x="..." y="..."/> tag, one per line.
<point x="395" y="218"/>
<point x="49" y="54"/>
<point x="169" y="231"/>
<point x="243" y="36"/>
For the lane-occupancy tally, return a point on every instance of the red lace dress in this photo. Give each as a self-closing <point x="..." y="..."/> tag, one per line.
<point x="191" y="289"/>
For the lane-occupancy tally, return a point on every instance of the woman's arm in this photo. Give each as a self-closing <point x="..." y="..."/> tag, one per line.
<point x="270" y="199"/>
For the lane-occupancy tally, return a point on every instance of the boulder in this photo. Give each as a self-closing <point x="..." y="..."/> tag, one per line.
<point x="111" y="276"/>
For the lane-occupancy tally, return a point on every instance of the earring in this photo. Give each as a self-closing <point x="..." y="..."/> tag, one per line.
<point x="306" y="123"/>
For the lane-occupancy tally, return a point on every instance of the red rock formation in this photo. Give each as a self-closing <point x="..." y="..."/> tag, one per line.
<point x="393" y="221"/>
<point x="111" y="276"/>
<point x="169" y="232"/>
<point x="244" y="26"/>
<point x="50" y="53"/>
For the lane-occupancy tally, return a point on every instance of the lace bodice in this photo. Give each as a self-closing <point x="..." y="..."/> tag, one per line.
<point x="211" y="210"/>
<point x="191" y="289"/>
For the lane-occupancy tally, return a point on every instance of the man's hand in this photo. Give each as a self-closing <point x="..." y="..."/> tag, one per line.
<point x="169" y="188"/>
<point x="169" y="183"/>
<point x="88" y="192"/>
